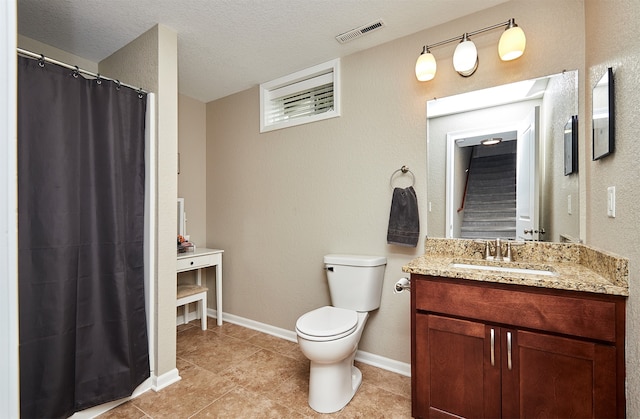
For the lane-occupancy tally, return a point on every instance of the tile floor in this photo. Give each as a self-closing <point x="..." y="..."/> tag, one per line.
<point x="230" y="371"/>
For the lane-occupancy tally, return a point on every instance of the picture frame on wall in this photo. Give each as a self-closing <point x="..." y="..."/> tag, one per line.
<point x="603" y="116"/>
<point x="571" y="146"/>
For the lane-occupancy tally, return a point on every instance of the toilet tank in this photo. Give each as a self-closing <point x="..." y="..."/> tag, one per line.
<point x="355" y="281"/>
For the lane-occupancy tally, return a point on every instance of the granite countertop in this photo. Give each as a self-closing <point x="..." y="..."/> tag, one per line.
<point x="570" y="266"/>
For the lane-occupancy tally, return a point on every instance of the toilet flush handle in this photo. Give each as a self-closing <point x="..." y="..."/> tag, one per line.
<point x="330" y="268"/>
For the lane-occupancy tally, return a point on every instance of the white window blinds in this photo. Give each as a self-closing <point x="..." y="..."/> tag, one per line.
<point x="307" y="96"/>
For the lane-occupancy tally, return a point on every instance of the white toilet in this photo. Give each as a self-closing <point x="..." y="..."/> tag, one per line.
<point x="329" y="335"/>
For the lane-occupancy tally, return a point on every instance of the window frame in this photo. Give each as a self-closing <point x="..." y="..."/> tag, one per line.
<point x="304" y="80"/>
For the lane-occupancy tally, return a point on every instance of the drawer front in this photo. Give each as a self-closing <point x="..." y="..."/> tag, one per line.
<point x="195" y="262"/>
<point x="583" y="317"/>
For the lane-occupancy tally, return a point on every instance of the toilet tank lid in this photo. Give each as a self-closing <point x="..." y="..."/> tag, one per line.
<point x="355" y="260"/>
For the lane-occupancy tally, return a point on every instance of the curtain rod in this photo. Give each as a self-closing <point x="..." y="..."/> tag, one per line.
<point x="41" y="57"/>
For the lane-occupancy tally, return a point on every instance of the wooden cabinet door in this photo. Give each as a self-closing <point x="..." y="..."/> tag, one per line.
<point x="454" y="375"/>
<point x="552" y="376"/>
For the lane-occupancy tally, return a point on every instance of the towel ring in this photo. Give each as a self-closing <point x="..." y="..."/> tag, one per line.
<point x="404" y="170"/>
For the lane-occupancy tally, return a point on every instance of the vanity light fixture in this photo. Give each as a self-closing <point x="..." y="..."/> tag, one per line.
<point x="512" y="42"/>
<point x="426" y="65"/>
<point x="465" y="57"/>
<point x="491" y="141"/>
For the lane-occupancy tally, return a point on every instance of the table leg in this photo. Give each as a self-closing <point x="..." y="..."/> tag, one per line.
<point x="219" y="293"/>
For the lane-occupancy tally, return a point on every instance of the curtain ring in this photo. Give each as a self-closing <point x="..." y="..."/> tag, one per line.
<point x="140" y="94"/>
<point x="117" y="84"/>
<point x="41" y="60"/>
<point x="98" y="79"/>
<point x="75" y="72"/>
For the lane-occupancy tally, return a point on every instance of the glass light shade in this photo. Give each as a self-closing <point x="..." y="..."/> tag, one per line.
<point x="491" y="141"/>
<point x="465" y="58"/>
<point x="512" y="44"/>
<point x="426" y="67"/>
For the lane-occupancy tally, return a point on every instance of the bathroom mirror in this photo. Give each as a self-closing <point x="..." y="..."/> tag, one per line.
<point x="524" y="170"/>
<point x="603" y="116"/>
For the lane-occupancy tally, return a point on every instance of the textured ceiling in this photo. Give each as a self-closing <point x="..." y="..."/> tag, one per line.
<point x="226" y="46"/>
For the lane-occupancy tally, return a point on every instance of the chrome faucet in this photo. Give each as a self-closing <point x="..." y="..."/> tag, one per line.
<point x="498" y="253"/>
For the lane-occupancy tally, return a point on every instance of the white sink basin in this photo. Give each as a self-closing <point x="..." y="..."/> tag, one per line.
<point x="504" y="269"/>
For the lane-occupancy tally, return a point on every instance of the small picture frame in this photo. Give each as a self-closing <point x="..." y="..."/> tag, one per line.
<point x="603" y="116"/>
<point x="571" y="146"/>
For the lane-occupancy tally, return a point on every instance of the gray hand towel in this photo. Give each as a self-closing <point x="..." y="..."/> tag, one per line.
<point x="404" y="222"/>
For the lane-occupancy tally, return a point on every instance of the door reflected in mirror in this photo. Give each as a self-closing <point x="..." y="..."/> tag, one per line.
<point x="515" y="189"/>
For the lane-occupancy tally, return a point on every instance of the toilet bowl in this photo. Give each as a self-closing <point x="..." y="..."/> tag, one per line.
<point x="333" y="379"/>
<point x="328" y="336"/>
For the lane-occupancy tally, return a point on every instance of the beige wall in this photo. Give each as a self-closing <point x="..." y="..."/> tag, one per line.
<point x="150" y="61"/>
<point x="277" y="202"/>
<point x="618" y="48"/>
<point x="192" y="182"/>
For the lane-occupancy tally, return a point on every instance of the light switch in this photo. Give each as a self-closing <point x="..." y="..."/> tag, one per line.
<point x="611" y="201"/>
<point x="569" y="209"/>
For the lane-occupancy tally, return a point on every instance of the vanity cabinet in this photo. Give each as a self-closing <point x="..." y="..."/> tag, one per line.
<point x="494" y="350"/>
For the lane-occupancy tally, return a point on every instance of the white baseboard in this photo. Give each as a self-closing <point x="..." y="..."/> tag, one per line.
<point x="155" y="383"/>
<point x="388" y="364"/>
<point x="193" y="314"/>
<point x="95" y="411"/>
<point x="161" y="381"/>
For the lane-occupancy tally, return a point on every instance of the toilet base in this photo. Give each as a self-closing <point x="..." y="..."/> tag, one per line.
<point x="332" y="386"/>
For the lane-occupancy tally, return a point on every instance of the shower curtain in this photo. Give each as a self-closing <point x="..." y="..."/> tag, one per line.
<point x="81" y="177"/>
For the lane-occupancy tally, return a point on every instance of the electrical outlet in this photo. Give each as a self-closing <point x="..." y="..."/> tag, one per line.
<point x="611" y="202"/>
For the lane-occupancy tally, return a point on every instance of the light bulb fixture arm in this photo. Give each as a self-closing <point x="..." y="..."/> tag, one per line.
<point x="508" y="23"/>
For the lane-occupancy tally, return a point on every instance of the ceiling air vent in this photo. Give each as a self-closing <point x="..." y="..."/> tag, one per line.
<point x="358" y="32"/>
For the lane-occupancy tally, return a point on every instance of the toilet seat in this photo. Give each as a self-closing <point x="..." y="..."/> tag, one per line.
<point x="327" y="323"/>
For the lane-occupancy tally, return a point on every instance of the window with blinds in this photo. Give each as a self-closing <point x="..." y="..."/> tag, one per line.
<point x="306" y="96"/>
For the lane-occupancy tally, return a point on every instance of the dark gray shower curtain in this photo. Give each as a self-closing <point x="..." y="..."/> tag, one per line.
<point x="81" y="177"/>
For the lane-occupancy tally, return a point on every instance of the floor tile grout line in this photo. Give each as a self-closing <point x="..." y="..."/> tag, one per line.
<point x="215" y="400"/>
<point x="141" y="410"/>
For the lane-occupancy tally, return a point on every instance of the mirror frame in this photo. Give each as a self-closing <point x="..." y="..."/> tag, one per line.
<point x="603" y="138"/>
